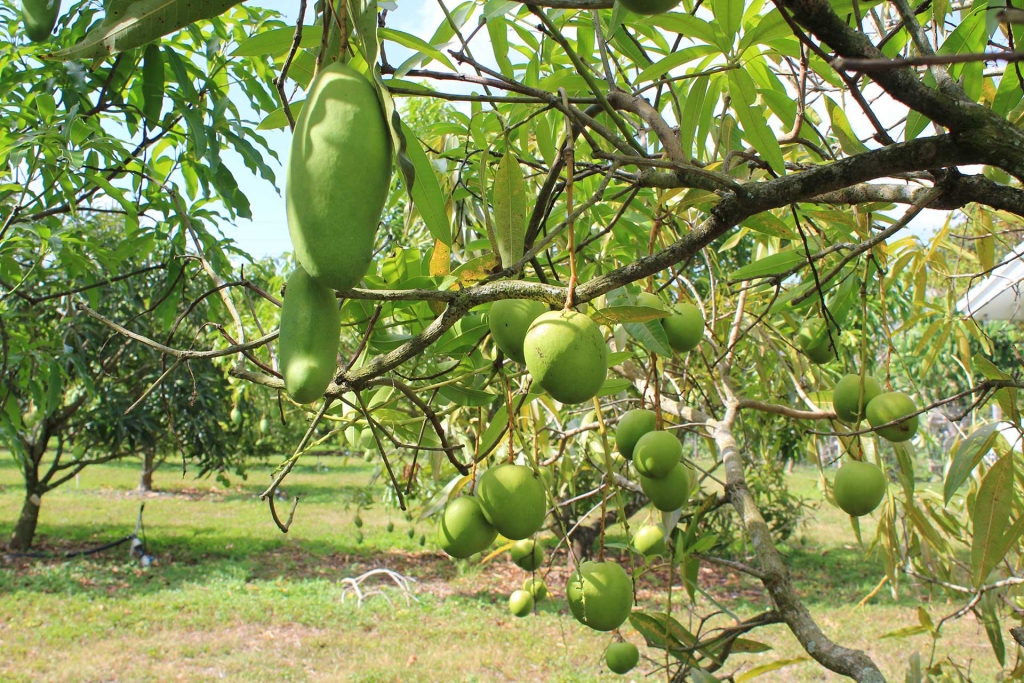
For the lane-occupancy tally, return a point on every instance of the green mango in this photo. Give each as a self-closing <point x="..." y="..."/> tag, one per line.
<point x="39" y="17"/>
<point x="310" y="333"/>
<point x="339" y="173"/>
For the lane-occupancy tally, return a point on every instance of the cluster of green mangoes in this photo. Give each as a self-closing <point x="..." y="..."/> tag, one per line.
<point x="339" y="173"/>
<point x="657" y="456"/>
<point x="860" y="486"/>
<point x="565" y="351"/>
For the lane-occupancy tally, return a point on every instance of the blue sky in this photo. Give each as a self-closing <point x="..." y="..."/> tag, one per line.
<point x="267" y="233"/>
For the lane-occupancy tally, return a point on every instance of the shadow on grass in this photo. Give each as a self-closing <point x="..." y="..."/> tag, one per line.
<point x="200" y="555"/>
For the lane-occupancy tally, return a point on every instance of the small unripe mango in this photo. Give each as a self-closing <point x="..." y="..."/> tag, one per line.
<point x="512" y="500"/>
<point x="566" y="354"/>
<point x="670" y="493"/>
<point x="859" y="487"/>
<point x="310" y="333"/>
<point x="464" y="530"/>
<point x="509" y="319"/>
<point x="851" y="397"/>
<point x="622" y="657"/>
<point x="600" y="595"/>
<point x="632" y="425"/>
<point x="684" y="328"/>
<point x="892" y="406"/>
<point x="520" y="603"/>
<point x="657" y="453"/>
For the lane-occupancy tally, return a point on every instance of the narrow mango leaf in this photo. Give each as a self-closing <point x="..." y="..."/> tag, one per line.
<point x="769" y="266"/>
<point x="968" y="453"/>
<point x="277" y="41"/>
<point x="905" y="632"/>
<point x="614" y="385"/>
<point x="746" y="645"/>
<point x="465" y="396"/>
<point x="614" y="315"/>
<point x="426" y="191"/>
<point x="991" y="516"/>
<point x="905" y="459"/>
<point x="277" y="119"/>
<point x="751" y="117"/>
<point x="471" y="271"/>
<point x="152" y="85"/>
<point x="142" y="22"/>
<point x="416" y="44"/>
<point x="990" y="620"/>
<point x="848" y="140"/>
<point x="510" y="209"/>
<point x="1007" y="396"/>
<point x="651" y="336"/>
<point x="767" y="668"/>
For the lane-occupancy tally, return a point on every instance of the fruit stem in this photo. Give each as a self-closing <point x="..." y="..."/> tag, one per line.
<point x="570" y="170"/>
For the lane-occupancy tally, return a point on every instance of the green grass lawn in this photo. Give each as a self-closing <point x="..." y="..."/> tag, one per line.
<point x="232" y="598"/>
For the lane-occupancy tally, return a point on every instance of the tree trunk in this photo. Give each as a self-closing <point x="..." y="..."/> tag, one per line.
<point x="25" y="529"/>
<point x="148" y="467"/>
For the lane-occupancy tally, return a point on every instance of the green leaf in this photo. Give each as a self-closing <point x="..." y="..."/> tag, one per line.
<point x="143" y="22"/>
<point x="766" y="668"/>
<point x="1007" y="396"/>
<point x="769" y="266"/>
<point x="728" y="15"/>
<point x="277" y="41"/>
<point x="417" y="45"/>
<point x="651" y="336"/>
<point x="967" y="454"/>
<point x="905" y="459"/>
<point x="615" y="315"/>
<point x="277" y="119"/>
<point x="991" y="515"/>
<point x="752" y="117"/>
<point x="905" y="632"/>
<point x="152" y="85"/>
<point x="745" y="645"/>
<point x="426" y="191"/>
<point x="613" y="386"/>
<point x="990" y="620"/>
<point x="848" y="140"/>
<point x="510" y="210"/>
<point x="465" y="396"/>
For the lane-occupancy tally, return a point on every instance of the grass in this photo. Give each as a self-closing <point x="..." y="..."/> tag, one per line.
<point x="230" y="597"/>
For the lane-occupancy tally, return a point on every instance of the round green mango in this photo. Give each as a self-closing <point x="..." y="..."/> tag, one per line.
<point x="850" y="400"/>
<point x="813" y="339"/>
<point x="520" y="603"/>
<point x="622" y="657"/>
<point x="649" y="540"/>
<point x="509" y="320"/>
<point x="527" y="554"/>
<point x="684" y="328"/>
<point x="670" y="493"/>
<point x="536" y="587"/>
<point x="236" y="417"/>
<point x="366" y="441"/>
<point x="600" y="595"/>
<point x="650" y="300"/>
<point x="512" y="500"/>
<point x="649" y="7"/>
<point x="339" y="173"/>
<point x="892" y="406"/>
<point x="566" y="354"/>
<point x="657" y="453"/>
<point x="859" y="487"/>
<point x="464" y="530"/>
<point x="264" y="425"/>
<point x="39" y="18"/>
<point x="310" y="333"/>
<point x="632" y="425"/>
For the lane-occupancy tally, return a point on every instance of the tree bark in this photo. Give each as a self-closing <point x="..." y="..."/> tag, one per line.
<point x="148" y="467"/>
<point x="25" y="529"/>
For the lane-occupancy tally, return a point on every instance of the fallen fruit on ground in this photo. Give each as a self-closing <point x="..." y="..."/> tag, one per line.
<point x="464" y="530"/>
<point x="815" y="341"/>
<point x="632" y="425"/>
<point x="509" y="319"/>
<point x="657" y="453"/>
<point x="310" y="334"/>
<point x="859" y="487"/>
<point x="520" y="603"/>
<point x="649" y="540"/>
<point x="891" y="406"/>
<point x="684" y="328"/>
<point x="622" y="657"/>
<point x="527" y="554"/>
<point x="339" y="173"/>
<point x="566" y="355"/>
<point x="536" y="587"/>
<point x="512" y="499"/>
<point x="851" y="396"/>
<point x="600" y="595"/>
<point x="670" y="493"/>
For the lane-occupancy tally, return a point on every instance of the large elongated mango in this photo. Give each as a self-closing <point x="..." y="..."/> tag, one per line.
<point x="310" y="332"/>
<point x="338" y="177"/>
<point x="39" y="17"/>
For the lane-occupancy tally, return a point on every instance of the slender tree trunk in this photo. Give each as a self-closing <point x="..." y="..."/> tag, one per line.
<point x="25" y="529"/>
<point x="148" y="467"/>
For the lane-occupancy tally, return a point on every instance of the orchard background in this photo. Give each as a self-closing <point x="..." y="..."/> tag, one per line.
<point x="854" y="166"/>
